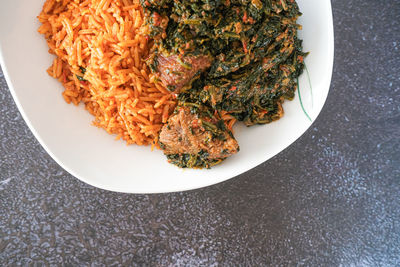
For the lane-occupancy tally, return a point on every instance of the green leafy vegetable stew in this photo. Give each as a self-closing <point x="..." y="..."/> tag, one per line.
<point x="235" y="57"/>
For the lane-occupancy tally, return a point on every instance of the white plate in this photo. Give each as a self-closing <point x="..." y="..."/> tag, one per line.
<point x="93" y="156"/>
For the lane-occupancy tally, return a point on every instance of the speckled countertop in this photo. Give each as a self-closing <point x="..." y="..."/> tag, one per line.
<point x="332" y="198"/>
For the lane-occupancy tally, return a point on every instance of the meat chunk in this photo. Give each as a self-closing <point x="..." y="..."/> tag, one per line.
<point x="176" y="72"/>
<point x="193" y="140"/>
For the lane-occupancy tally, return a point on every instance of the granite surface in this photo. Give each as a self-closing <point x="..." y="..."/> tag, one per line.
<point x="330" y="199"/>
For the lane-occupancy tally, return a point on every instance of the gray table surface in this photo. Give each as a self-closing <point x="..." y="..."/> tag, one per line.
<point x="332" y="198"/>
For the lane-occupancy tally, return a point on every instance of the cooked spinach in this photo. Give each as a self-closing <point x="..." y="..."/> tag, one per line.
<point x="257" y="55"/>
<point x="80" y="78"/>
<point x="198" y="161"/>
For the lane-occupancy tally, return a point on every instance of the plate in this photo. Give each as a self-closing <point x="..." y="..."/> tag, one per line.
<point x="93" y="156"/>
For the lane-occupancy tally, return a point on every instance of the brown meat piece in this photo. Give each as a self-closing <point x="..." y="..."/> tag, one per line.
<point x="175" y="72"/>
<point x="184" y="134"/>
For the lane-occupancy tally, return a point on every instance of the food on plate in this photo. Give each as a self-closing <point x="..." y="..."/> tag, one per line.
<point x="100" y="54"/>
<point x="240" y="57"/>
<point x="197" y="137"/>
<point x="176" y="74"/>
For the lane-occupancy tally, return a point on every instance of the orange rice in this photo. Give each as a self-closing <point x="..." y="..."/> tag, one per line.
<point x="105" y="38"/>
